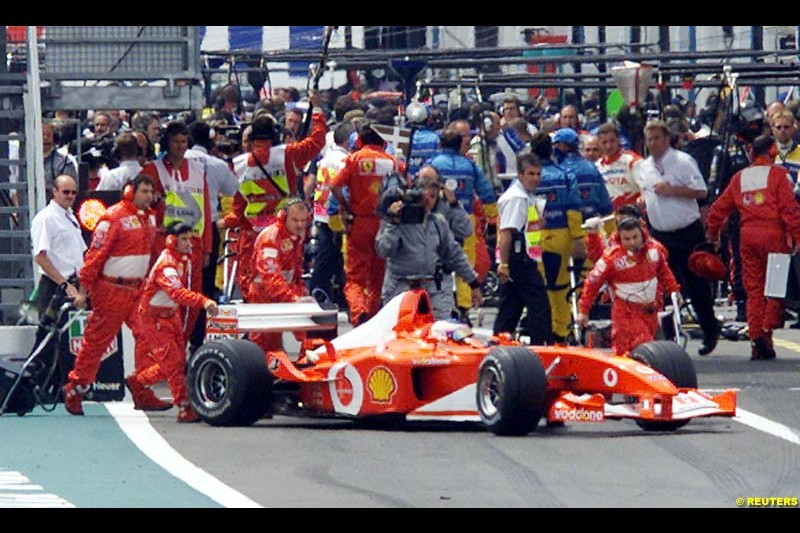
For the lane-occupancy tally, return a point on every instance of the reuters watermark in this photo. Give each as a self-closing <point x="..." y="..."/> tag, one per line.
<point x="772" y="501"/>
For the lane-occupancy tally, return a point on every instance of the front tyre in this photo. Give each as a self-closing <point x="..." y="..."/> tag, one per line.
<point x="228" y="382"/>
<point x="672" y="361"/>
<point x="511" y="391"/>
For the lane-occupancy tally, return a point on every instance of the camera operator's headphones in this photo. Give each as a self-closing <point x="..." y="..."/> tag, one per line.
<point x="290" y="201"/>
<point x="128" y="192"/>
<point x="175" y="229"/>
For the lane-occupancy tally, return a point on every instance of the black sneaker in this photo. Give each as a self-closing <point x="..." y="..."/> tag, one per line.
<point x="770" y="353"/>
<point x="760" y="350"/>
<point x="709" y="343"/>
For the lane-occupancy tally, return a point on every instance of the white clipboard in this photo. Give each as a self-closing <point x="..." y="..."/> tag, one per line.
<point x="777" y="275"/>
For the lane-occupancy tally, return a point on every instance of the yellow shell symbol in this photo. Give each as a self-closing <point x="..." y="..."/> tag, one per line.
<point x="381" y="384"/>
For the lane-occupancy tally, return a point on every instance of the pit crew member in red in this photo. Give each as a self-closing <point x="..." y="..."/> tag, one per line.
<point x="278" y="265"/>
<point x="762" y="194"/>
<point x="162" y="311"/>
<point x="267" y="177"/>
<point x="363" y="174"/>
<point x="638" y="274"/>
<point x="113" y="271"/>
<point x="182" y="196"/>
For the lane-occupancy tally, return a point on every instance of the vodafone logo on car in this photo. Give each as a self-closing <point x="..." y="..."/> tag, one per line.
<point x="578" y="415"/>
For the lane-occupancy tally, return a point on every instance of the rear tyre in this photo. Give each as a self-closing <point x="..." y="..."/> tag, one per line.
<point x="672" y="361"/>
<point x="510" y="392"/>
<point x="228" y="383"/>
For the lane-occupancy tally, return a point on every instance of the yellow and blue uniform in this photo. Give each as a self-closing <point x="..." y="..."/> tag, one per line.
<point x="562" y="228"/>
<point x="471" y="181"/>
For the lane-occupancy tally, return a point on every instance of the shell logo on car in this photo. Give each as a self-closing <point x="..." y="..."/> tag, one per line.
<point x="381" y="384"/>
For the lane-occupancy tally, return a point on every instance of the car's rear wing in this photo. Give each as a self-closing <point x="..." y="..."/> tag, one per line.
<point x="235" y="319"/>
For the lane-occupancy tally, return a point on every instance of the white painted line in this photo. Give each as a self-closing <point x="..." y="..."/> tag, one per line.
<point x="767" y="426"/>
<point x="137" y="427"/>
<point x="17" y="491"/>
<point x="794" y="389"/>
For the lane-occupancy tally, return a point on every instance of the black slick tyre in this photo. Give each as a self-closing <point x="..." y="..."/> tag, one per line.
<point x="672" y="361"/>
<point x="510" y="391"/>
<point x="228" y="383"/>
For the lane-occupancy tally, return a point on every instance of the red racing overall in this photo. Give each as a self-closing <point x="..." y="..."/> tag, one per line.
<point x="277" y="274"/>
<point x="113" y="271"/>
<point x="363" y="174"/>
<point x="185" y="199"/>
<point x="763" y="195"/>
<point x="162" y="312"/>
<point x="637" y="281"/>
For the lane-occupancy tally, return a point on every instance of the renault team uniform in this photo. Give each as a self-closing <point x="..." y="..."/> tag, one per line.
<point x="471" y="181"/>
<point x="562" y="227"/>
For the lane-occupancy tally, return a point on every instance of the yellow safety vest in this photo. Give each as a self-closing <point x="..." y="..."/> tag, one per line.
<point x="533" y="233"/>
<point x="184" y="200"/>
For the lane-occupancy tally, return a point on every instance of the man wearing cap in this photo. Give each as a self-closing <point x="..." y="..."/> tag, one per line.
<point x="588" y="180"/>
<point x="590" y="183"/>
<point x="671" y="184"/>
<point x="762" y="194"/>
<point x="420" y="248"/>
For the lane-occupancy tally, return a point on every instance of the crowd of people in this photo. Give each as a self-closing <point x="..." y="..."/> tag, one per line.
<point x="533" y="195"/>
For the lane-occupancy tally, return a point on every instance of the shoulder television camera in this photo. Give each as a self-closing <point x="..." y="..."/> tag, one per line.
<point x="396" y="188"/>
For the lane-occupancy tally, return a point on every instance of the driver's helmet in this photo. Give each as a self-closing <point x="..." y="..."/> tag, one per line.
<point x="444" y="330"/>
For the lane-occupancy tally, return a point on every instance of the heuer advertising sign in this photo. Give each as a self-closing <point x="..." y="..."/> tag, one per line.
<point x="109" y="384"/>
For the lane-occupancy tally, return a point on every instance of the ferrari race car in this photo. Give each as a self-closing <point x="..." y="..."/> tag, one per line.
<point x="402" y="364"/>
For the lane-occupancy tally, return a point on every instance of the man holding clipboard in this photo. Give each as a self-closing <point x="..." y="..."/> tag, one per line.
<point x="770" y="224"/>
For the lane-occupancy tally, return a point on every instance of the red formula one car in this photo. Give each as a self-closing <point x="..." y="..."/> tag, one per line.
<point x="403" y="364"/>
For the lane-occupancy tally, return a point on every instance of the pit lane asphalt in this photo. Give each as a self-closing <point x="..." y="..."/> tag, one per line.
<point x="295" y="462"/>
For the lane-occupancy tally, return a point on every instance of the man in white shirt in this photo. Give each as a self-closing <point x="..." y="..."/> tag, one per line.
<point x="671" y="183"/>
<point x="220" y="180"/>
<point x="129" y="167"/>
<point x="519" y="238"/>
<point x="58" y="245"/>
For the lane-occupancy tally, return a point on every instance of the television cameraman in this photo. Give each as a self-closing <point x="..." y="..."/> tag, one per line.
<point x="417" y="244"/>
